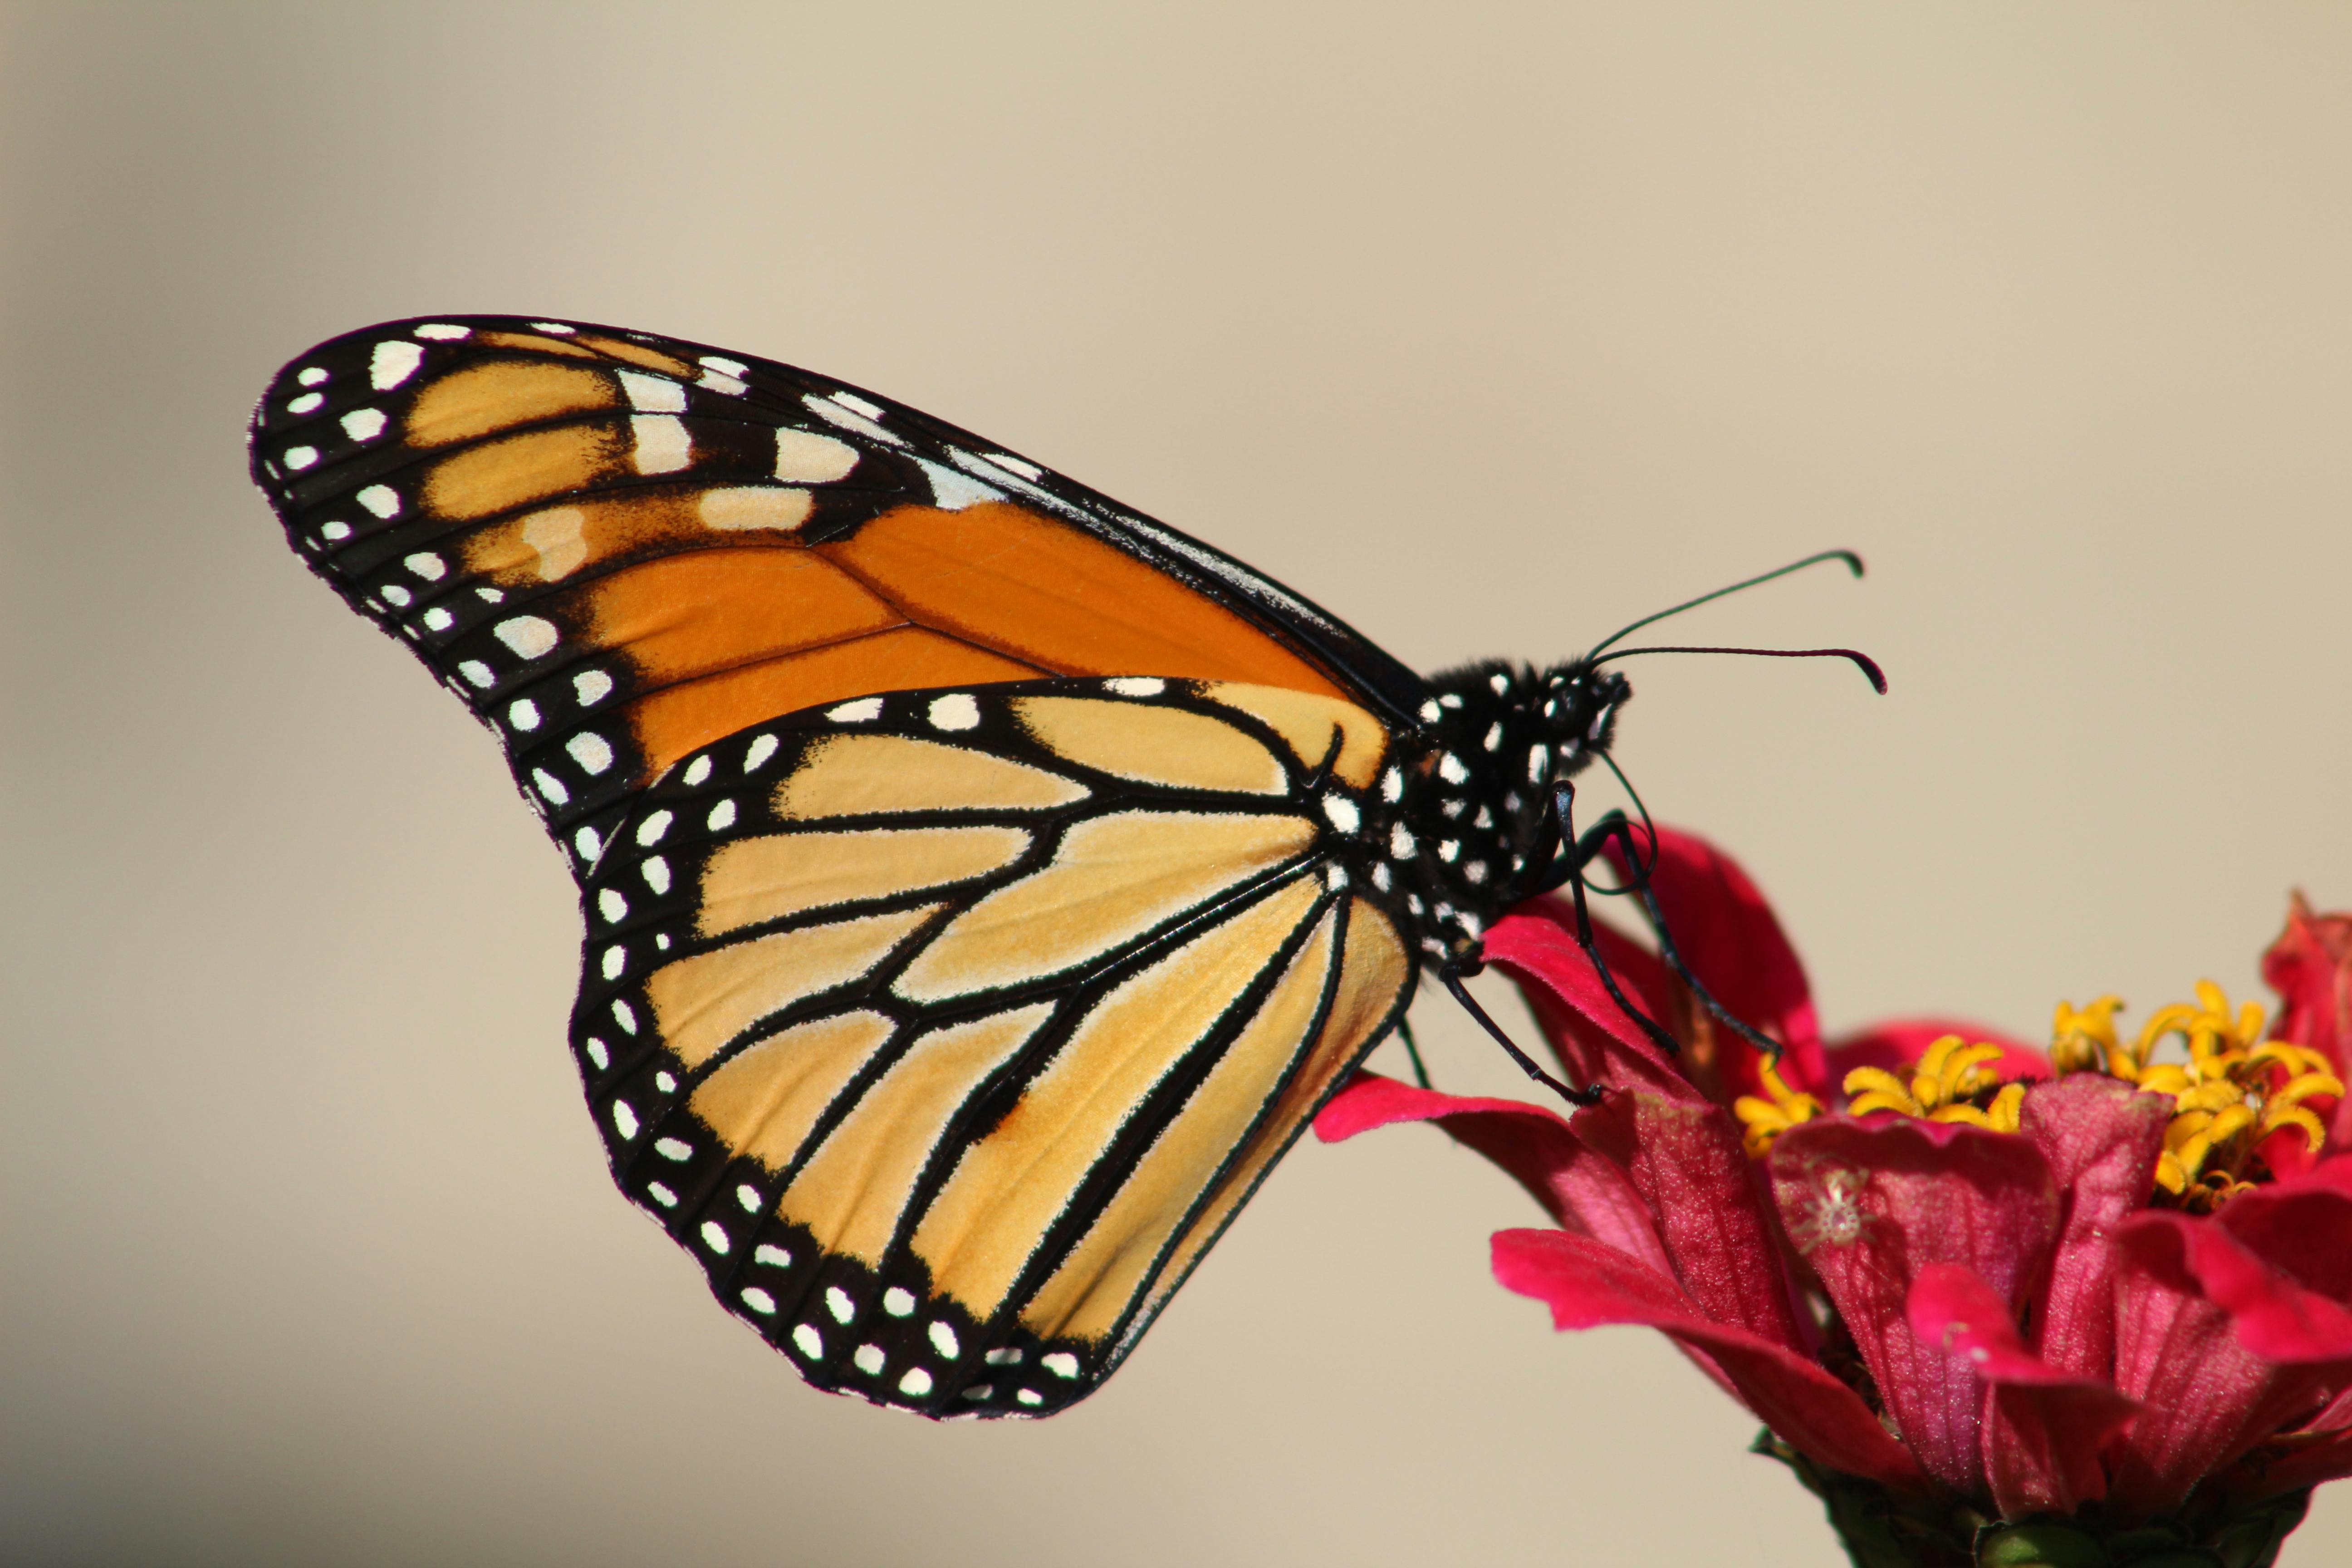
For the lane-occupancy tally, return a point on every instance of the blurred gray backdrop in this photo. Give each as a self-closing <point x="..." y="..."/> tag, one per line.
<point x="1490" y="326"/>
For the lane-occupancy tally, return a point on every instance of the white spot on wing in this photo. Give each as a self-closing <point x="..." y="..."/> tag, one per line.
<point x="1450" y="768"/>
<point x="616" y="961"/>
<point x="364" y="423"/>
<point x="393" y="362"/>
<point x="943" y="1340"/>
<point x="652" y="394"/>
<point x="592" y="686"/>
<point x="443" y="330"/>
<point x="309" y="375"/>
<point x="523" y="714"/>
<point x="957" y="710"/>
<point x="427" y="565"/>
<point x="650" y="831"/>
<point x="834" y="413"/>
<point x="917" y="1382"/>
<point x="304" y="404"/>
<point x="1136" y="686"/>
<point x="529" y="636"/>
<point x="837" y="1303"/>
<point x="301" y="458"/>
<point x="1021" y="465"/>
<point x="624" y="1118"/>
<point x="1342" y="813"/>
<point x="857" y="712"/>
<point x="612" y="905"/>
<point x="592" y="752"/>
<point x="857" y="404"/>
<point x="723" y="816"/>
<point x="380" y="500"/>
<point x="438" y="619"/>
<point x="477" y="673"/>
<point x="715" y="1237"/>
<point x="1061" y="1364"/>
<point x="655" y="871"/>
<point x="549" y="787"/>
<point x="808" y="1341"/>
<point x="805" y="457"/>
<point x="772" y="1257"/>
<point x="899" y="1301"/>
<point x="758" y="1300"/>
<point x="760" y="751"/>
<point x="868" y="1359"/>
<point x="662" y="445"/>
<point x="558" y="328"/>
<point x="698" y="770"/>
<point x="953" y="491"/>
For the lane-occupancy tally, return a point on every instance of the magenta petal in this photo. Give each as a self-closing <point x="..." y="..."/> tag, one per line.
<point x="2043" y="1427"/>
<point x="2302" y="1229"/>
<point x="2276" y="1318"/>
<point x="2297" y="1464"/>
<point x="1867" y="1204"/>
<point x="1532" y="948"/>
<point x="2102" y="1139"/>
<point x="1586" y="1284"/>
<point x="1685" y="1159"/>
<point x="2208" y="1397"/>
<point x="1580" y="1189"/>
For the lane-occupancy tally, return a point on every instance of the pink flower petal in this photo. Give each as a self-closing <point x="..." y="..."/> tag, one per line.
<point x="1867" y="1204"/>
<point x="2043" y="1427"/>
<point x="1609" y="1048"/>
<point x="2102" y="1140"/>
<point x="1580" y="1189"/>
<point x="1586" y="1284"/>
<point x="2302" y="1229"/>
<point x="2310" y="966"/>
<point x="1726" y="933"/>
<point x="1685" y="1159"/>
<point x="2196" y="1313"/>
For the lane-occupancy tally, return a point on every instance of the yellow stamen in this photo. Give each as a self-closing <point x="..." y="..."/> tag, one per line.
<point x="2235" y="1089"/>
<point x="1767" y="1119"/>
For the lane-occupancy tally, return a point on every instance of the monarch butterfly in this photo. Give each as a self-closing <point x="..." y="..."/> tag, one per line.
<point x="984" y="884"/>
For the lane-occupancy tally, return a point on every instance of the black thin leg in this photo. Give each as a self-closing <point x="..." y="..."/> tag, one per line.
<point x="1616" y="826"/>
<point x="1451" y="976"/>
<point x="1582" y="852"/>
<point x="1413" y="1051"/>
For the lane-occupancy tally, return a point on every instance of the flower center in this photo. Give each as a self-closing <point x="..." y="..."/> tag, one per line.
<point x="2234" y="1091"/>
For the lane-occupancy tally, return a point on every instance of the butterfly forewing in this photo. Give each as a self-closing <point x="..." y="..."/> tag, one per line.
<point x="948" y="1028"/>
<point x="619" y="549"/>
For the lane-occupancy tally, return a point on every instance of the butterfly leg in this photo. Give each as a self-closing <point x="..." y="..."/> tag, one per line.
<point x="1451" y="975"/>
<point x="1614" y="825"/>
<point x="1413" y="1053"/>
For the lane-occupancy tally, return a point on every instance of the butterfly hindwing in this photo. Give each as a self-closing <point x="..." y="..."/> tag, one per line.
<point x="619" y="548"/>
<point x="948" y="1028"/>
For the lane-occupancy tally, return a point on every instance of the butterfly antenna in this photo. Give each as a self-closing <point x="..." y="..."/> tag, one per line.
<point x="1853" y="563"/>
<point x="1862" y="661"/>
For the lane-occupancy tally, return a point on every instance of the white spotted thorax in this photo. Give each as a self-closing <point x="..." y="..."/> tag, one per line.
<point x="1474" y="829"/>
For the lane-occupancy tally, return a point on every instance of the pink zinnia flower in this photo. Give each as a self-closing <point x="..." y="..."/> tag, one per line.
<point x="1991" y="1304"/>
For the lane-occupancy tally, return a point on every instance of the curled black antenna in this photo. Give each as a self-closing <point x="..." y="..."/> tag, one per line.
<point x="1862" y="661"/>
<point x="1853" y="563"/>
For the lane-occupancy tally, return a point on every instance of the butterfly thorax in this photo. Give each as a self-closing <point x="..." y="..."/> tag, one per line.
<point x="1476" y="829"/>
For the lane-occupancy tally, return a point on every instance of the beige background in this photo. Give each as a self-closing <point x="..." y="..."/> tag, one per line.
<point x="1490" y="327"/>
